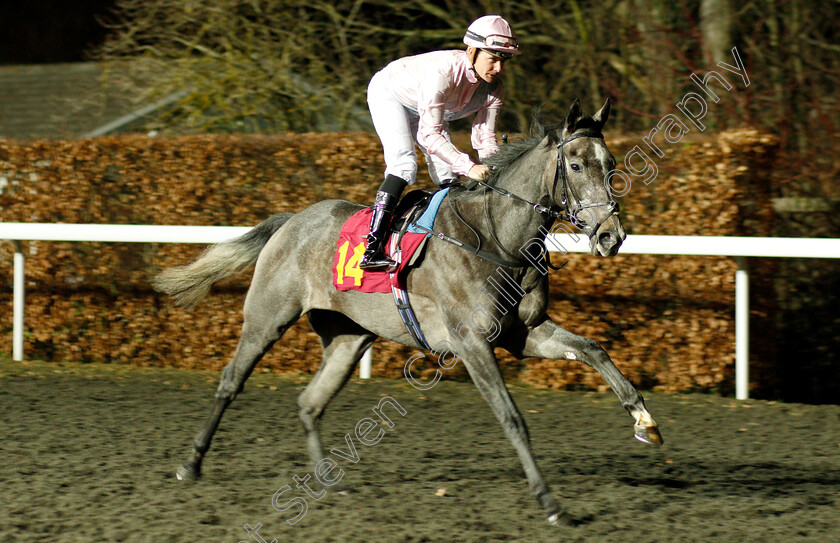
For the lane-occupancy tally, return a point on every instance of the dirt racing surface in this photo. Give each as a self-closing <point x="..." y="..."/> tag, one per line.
<point x="88" y="453"/>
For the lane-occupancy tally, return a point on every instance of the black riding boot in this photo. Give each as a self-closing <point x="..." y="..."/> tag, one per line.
<point x="383" y="210"/>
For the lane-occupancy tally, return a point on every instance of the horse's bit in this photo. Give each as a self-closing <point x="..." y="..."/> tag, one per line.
<point x="570" y="209"/>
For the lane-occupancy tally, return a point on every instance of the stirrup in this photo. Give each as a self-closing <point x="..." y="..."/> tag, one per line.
<point x="375" y="260"/>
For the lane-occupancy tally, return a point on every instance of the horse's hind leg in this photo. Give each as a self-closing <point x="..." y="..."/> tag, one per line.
<point x="344" y="342"/>
<point x="548" y="340"/>
<point x="259" y="332"/>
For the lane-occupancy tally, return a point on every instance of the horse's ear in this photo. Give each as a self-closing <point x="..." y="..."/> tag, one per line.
<point x="572" y="118"/>
<point x="602" y="115"/>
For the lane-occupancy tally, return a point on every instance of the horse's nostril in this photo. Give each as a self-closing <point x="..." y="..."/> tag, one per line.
<point x="606" y="239"/>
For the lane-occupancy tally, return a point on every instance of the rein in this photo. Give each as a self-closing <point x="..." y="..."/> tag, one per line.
<point x="565" y="215"/>
<point x="467" y="247"/>
<point x="571" y="215"/>
<point x="568" y="209"/>
<point x="536" y="207"/>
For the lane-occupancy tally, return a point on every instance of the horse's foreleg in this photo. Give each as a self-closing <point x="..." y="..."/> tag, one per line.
<point x="485" y="373"/>
<point x="548" y="340"/>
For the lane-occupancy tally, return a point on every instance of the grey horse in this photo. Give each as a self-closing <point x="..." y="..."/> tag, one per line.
<point x="468" y="300"/>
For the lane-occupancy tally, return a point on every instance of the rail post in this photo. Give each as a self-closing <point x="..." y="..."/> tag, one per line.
<point x="17" y="303"/>
<point x="742" y="330"/>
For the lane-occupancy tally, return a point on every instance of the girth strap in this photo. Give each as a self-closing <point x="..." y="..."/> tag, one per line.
<point x="409" y="318"/>
<point x="401" y="297"/>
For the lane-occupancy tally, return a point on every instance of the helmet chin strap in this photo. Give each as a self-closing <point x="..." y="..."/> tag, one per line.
<point x="472" y="53"/>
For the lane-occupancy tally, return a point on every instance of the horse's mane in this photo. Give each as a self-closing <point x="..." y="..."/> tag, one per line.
<point x="510" y="152"/>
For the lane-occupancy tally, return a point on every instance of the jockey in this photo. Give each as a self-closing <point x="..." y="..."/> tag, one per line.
<point x="413" y="99"/>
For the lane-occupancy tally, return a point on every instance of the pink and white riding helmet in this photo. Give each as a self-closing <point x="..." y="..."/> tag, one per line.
<point x="492" y="33"/>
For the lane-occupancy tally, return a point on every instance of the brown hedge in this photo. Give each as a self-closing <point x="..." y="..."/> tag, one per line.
<point x="667" y="321"/>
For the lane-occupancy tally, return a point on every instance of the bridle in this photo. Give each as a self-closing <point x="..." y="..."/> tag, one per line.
<point x="570" y="204"/>
<point x="573" y="206"/>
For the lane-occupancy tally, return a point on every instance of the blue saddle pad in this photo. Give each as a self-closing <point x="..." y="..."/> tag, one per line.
<point x="427" y="219"/>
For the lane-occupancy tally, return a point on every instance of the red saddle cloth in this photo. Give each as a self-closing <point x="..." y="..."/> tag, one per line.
<point x="347" y="275"/>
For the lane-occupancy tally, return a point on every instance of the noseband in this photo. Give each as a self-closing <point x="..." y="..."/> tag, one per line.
<point x="569" y="201"/>
<point x="569" y="207"/>
<point x="566" y="211"/>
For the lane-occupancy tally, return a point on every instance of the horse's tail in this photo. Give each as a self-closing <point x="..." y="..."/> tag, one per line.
<point x="189" y="284"/>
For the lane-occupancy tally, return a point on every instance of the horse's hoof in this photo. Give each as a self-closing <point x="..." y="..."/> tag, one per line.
<point x="187" y="473"/>
<point x="560" y="519"/>
<point x="343" y="489"/>
<point x="648" y="434"/>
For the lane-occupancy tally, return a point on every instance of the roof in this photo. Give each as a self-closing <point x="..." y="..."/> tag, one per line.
<point x="56" y="101"/>
<point x="67" y="101"/>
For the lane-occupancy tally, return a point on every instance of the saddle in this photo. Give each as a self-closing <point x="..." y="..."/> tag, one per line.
<point x="416" y="203"/>
<point x="411" y="205"/>
<point x="405" y="245"/>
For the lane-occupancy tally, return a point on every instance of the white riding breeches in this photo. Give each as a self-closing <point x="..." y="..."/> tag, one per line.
<point x="396" y="126"/>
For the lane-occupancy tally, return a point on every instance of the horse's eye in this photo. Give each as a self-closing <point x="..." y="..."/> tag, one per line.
<point x="575" y="168"/>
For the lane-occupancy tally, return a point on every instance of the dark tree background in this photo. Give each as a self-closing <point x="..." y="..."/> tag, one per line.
<point x="47" y="31"/>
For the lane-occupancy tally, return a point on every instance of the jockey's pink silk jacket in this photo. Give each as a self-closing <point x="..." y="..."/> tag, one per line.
<point x="439" y="87"/>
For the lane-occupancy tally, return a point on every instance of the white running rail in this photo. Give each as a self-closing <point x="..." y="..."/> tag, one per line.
<point x="738" y="247"/>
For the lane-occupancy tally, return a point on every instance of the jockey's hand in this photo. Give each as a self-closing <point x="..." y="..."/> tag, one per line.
<point x="479" y="171"/>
